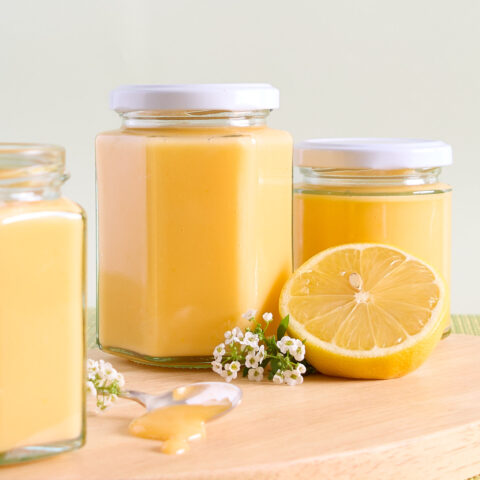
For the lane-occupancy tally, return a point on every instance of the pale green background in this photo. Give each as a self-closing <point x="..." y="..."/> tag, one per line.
<point x="345" y="68"/>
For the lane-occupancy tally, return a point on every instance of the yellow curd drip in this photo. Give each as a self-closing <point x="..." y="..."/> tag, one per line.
<point x="175" y="426"/>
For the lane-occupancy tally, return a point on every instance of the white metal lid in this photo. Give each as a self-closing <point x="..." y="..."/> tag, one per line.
<point x="208" y="96"/>
<point x="375" y="153"/>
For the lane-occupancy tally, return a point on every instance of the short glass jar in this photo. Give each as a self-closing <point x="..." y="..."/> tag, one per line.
<point x="371" y="190"/>
<point x="194" y="218"/>
<point x="42" y="287"/>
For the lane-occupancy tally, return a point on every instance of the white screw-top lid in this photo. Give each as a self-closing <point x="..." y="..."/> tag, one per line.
<point x="208" y="96"/>
<point x="375" y="153"/>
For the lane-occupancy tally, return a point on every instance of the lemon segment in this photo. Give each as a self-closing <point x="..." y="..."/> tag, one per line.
<point x="365" y="310"/>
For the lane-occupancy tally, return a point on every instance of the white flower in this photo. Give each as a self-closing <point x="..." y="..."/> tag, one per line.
<point x="292" y="377"/>
<point x="267" y="316"/>
<point x="255" y="374"/>
<point x="120" y="380"/>
<point x="217" y="367"/>
<point x="260" y="355"/>
<point x="91" y="390"/>
<point x="251" y="339"/>
<point x="235" y="335"/>
<point x="278" y="378"/>
<point x="249" y="314"/>
<point x="301" y="368"/>
<point x="228" y="337"/>
<point x="230" y="374"/>
<point x="102" y="379"/>
<point x="251" y="360"/>
<point x="109" y="372"/>
<point x="219" y="351"/>
<point x="234" y="367"/>
<point x="285" y="344"/>
<point x="298" y="351"/>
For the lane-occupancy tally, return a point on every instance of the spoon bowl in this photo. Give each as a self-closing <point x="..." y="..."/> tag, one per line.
<point x="201" y="393"/>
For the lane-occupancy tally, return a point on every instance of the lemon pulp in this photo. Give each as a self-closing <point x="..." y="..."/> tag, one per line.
<point x="365" y="310"/>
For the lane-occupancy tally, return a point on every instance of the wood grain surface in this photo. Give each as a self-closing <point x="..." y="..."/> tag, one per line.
<point x="423" y="426"/>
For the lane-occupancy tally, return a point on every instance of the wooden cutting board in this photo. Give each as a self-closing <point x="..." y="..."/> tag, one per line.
<point x="423" y="426"/>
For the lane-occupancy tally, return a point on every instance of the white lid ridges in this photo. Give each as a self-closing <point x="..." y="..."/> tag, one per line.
<point x="208" y="96"/>
<point x="375" y="153"/>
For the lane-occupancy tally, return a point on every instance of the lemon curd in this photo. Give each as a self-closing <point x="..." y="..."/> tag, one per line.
<point x="41" y="306"/>
<point x="177" y="425"/>
<point x="376" y="191"/>
<point x="194" y="218"/>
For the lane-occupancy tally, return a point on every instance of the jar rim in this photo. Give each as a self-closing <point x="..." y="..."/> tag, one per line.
<point x="41" y="163"/>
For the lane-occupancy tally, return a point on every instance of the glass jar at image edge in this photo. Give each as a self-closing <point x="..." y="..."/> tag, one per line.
<point x="42" y="285"/>
<point x="194" y="218"/>
<point x="374" y="191"/>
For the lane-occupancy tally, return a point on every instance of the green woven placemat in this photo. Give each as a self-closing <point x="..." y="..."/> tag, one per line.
<point x="467" y="324"/>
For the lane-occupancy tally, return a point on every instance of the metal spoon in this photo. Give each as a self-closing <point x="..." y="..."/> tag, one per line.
<point x="202" y="393"/>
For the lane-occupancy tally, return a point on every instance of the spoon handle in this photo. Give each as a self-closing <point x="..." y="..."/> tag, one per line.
<point x="139" y="397"/>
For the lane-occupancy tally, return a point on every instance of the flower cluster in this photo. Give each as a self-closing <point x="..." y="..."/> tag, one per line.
<point x="103" y="382"/>
<point x="253" y="353"/>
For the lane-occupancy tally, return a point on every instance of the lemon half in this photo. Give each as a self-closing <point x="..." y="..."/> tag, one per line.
<point x="365" y="310"/>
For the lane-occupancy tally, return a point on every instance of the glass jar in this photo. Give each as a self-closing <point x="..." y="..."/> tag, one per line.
<point x="194" y="218"/>
<point x="375" y="191"/>
<point x="42" y="285"/>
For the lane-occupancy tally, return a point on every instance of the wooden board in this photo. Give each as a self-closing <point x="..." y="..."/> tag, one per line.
<point x="423" y="426"/>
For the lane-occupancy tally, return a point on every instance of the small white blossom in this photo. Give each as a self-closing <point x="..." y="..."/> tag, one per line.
<point x="278" y="378"/>
<point x="120" y="380"/>
<point x="251" y="360"/>
<point x="235" y="366"/>
<point x="217" y="367"/>
<point x="292" y="377"/>
<point x="104" y="382"/>
<point x="228" y="337"/>
<point x="91" y="390"/>
<point x="233" y="336"/>
<point x="249" y="314"/>
<point x="260" y="355"/>
<point x="255" y="374"/>
<point x="251" y="339"/>
<point x="219" y="351"/>
<point x="109" y="372"/>
<point x="229" y="374"/>
<point x="267" y="316"/>
<point x="298" y="351"/>
<point x="285" y="344"/>
<point x="237" y="333"/>
<point x="301" y="368"/>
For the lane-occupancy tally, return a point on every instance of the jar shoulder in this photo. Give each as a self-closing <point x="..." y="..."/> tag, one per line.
<point x="232" y="133"/>
<point x="60" y="205"/>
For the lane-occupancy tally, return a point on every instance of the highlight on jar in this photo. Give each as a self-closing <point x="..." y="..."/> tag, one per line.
<point x="42" y="292"/>
<point x="185" y="248"/>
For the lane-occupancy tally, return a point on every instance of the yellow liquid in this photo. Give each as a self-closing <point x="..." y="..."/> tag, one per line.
<point x="41" y="323"/>
<point x="194" y="229"/>
<point x="420" y="224"/>
<point x="176" y="425"/>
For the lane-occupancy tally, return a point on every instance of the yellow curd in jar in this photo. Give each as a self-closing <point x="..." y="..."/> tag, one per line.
<point x="413" y="220"/>
<point x="194" y="228"/>
<point x="383" y="191"/>
<point x="41" y="323"/>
